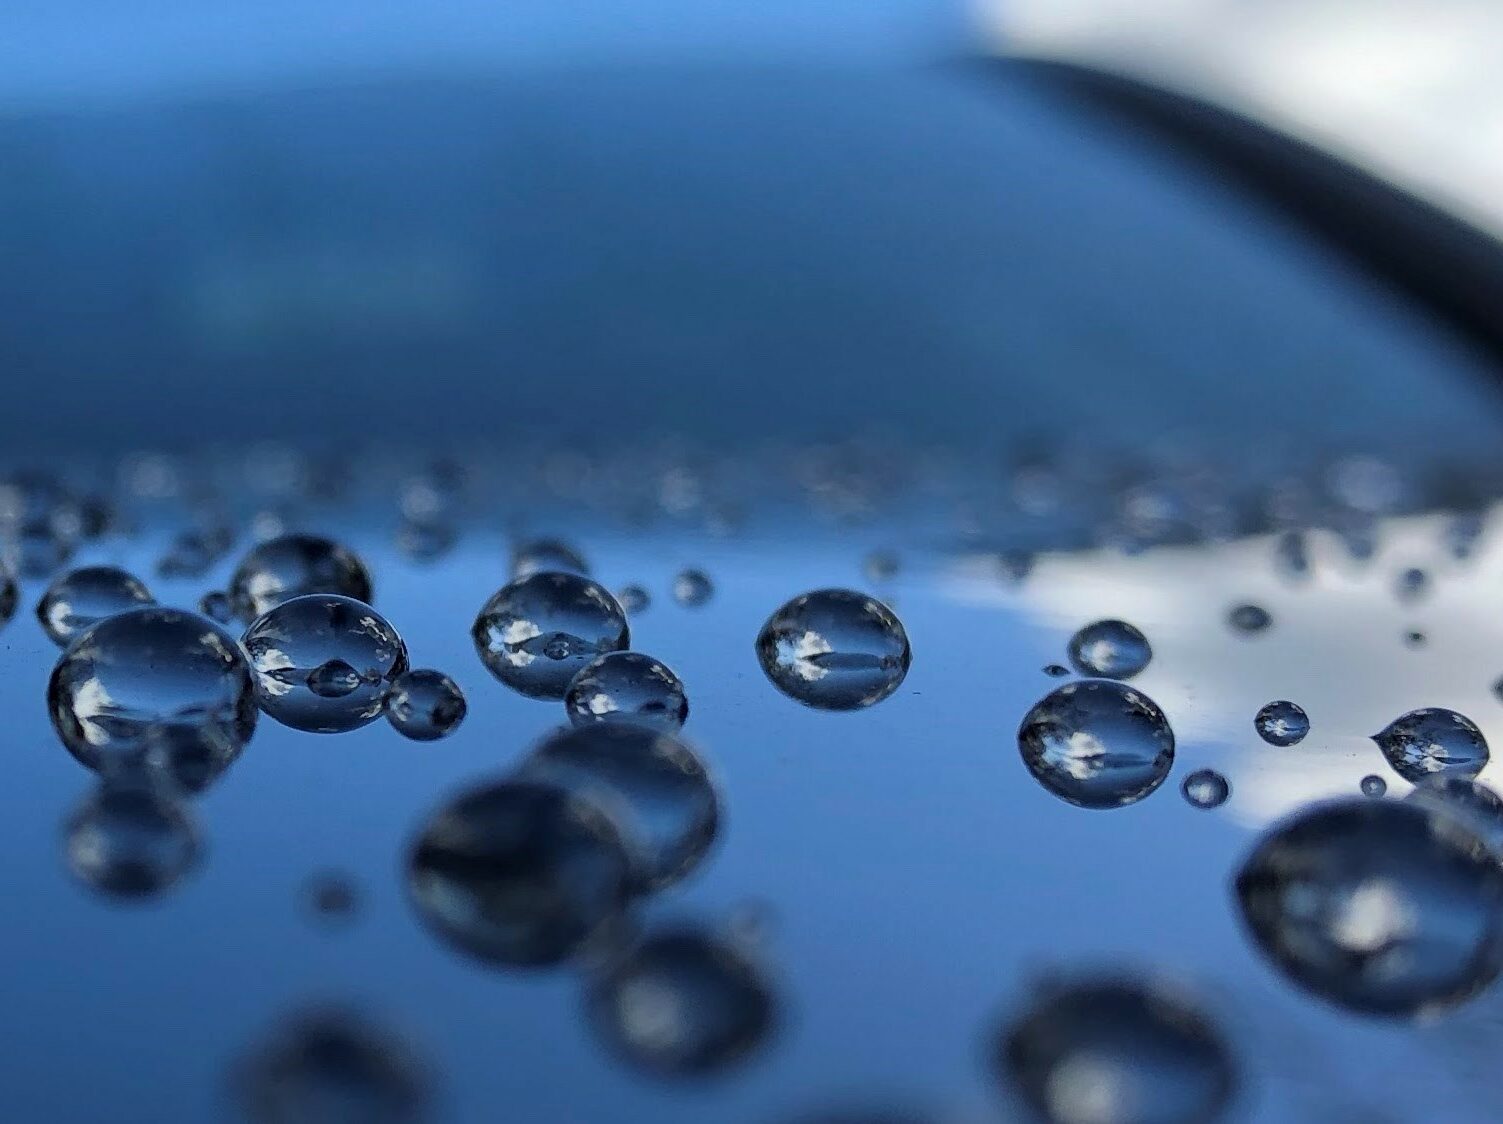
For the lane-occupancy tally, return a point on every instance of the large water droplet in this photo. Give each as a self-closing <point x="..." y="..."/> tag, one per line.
<point x="1282" y="723"/>
<point x="1205" y="788"/>
<point x="1097" y="743"/>
<point x="834" y="649"/>
<point x="693" y="588"/>
<point x="1380" y="906"/>
<point x="150" y="681"/>
<point x="537" y="633"/>
<point x="520" y="873"/>
<point x="540" y="555"/>
<point x="85" y="596"/>
<point x="322" y="662"/>
<point x="1433" y="740"/>
<point x="627" y="687"/>
<point x="1110" y="649"/>
<point x="425" y="705"/>
<point x="1117" y="1051"/>
<point x="131" y="838"/>
<point x="1249" y="619"/>
<point x="333" y="1066"/>
<point x="683" y="1003"/>
<point x="651" y="784"/>
<point x="294" y="565"/>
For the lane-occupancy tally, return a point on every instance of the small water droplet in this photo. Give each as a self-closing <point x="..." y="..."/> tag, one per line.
<point x="539" y="555"/>
<point x="425" y="705"/>
<point x="1374" y="785"/>
<point x="834" y="649"/>
<point x="1433" y="740"/>
<point x="1205" y="788"/>
<point x="880" y="566"/>
<point x="216" y="605"/>
<point x="425" y="541"/>
<point x="1292" y="556"/>
<point x="1411" y="584"/>
<point x="627" y="686"/>
<point x="131" y="838"/>
<point x="331" y="898"/>
<point x="192" y="553"/>
<point x="1110" y="649"/>
<point x="634" y="598"/>
<point x="1379" y="906"/>
<point x="537" y="633"/>
<point x="519" y="873"/>
<point x="683" y="1003"/>
<point x="1415" y="639"/>
<point x="692" y="588"/>
<point x="1056" y="670"/>
<point x="1462" y="534"/>
<point x="1282" y="723"/>
<point x="322" y="662"/>
<point x="1249" y="619"/>
<point x="292" y="566"/>
<point x="1097" y="743"/>
<point x="1117" y="1051"/>
<point x="86" y="596"/>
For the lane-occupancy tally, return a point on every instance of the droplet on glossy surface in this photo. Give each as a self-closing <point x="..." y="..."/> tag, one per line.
<point x="634" y="598"/>
<point x="216" y="605"/>
<point x="683" y="1003"/>
<point x="537" y="633"/>
<point x="1292" y="556"/>
<point x="880" y="566"/>
<point x="627" y="687"/>
<point x="1110" y="649"/>
<point x="1249" y="619"/>
<point x="41" y="522"/>
<point x="1478" y="805"/>
<point x="1374" y="785"/>
<point x="85" y="596"/>
<point x="520" y="873"/>
<point x="1205" y="788"/>
<point x="333" y="1066"/>
<point x="322" y="662"/>
<point x="1379" y="906"/>
<point x="1056" y="671"/>
<point x="150" y="681"/>
<point x="539" y="555"/>
<point x="332" y="898"/>
<point x="693" y="588"/>
<point x="425" y="705"/>
<point x="1097" y="743"/>
<point x="1411" y="584"/>
<point x="655" y="788"/>
<point x="1414" y="639"/>
<point x="425" y="541"/>
<point x="834" y="649"/>
<point x="1117" y="1051"/>
<point x="192" y="553"/>
<point x="1433" y="740"/>
<point x="131" y="838"/>
<point x="294" y="565"/>
<point x="1282" y="723"/>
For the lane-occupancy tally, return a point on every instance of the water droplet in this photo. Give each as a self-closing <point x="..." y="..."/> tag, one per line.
<point x="41" y="522"/>
<point x="424" y="541"/>
<point x="291" y="566"/>
<point x="1206" y="788"/>
<point x="1380" y="906"/>
<point x="425" y="705"/>
<point x="1282" y="723"/>
<point x="1414" y="639"/>
<point x="322" y="662"/>
<point x="1433" y="740"/>
<point x="1411" y="584"/>
<point x="692" y="588"/>
<point x="520" y="873"/>
<point x="153" y="681"/>
<point x="1110" y="649"/>
<point x="216" y="605"/>
<point x="1117" y="1051"/>
<point x="627" y="686"/>
<point x="333" y="1066"/>
<point x="86" y="596"/>
<point x="834" y="649"/>
<point x="1056" y="670"/>
<point x="1374" y="785"/>
<point x="1498" y="689"/>
<point x="880" y="566"/>
<point x="9" y="595"/>
<point x="1292" y="556"/>
<point x="1249" y="619"/>
<point x="634" y="598"/>
<point x="1478" y="806"/>
<point x="683" y="1003"/>
<point x="332" y="898"/>
<point x="1462" y="535"/>
<point x="651" y="785"/>
<point x="541" y="555"/>
<point x="131" y="838"/>
<point x="192" y="553"/>
<point x="1097" y="743"/>
<point x="537" y="633"/>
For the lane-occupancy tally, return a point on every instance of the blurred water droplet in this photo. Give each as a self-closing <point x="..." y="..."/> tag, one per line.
<point x="86" y="596"/>
<point x="1292" y="555"/>
<point x="634" y="598"/>
<point x="1249" y="619"/>
<point x="131" y="838"/>
<point x="292" y="566"/>
<point x="1478" y="806"/>
<point x="192" y="553"/>
<point x="1282" y="723"/>
<point x="1056" y="670"/>
<point x="834" y="649"/>
<point x="331" y="898"/>
<point x="1411" y="584"/>
<point x="322" y="662"/>
<point x="1117" y="1051"/>
<point x="1205" y="788"/>
<point x="1433" y="740"/>
<point x="148" y="678"/>
<point x="683" y="1003"/>
<point x="424" y="541"/>
<point x="537" y="633"/>
<point x="627" y="686"/>
<point x="41" y="523"/>
<point x="9" y="595"/>
<point x="539" y="555"/>
<point x="425" y="705"/>
<point x="1374" y="785"/>
<point x="216" y="605"/>
<point x="1379" y="906"/>
<point x="1462" y="534"/>
<point x="880" y="566"/>
<point x="1110" y="649"/>
<point x="693" y="588"/>
<point x="1097" y="743"/>
<point x="655" y="789"/>
<point x="1414" y="639"/>
<point x="519" y="873"/>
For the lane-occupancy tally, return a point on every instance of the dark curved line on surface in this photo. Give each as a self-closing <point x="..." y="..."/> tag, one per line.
<point x="1436" y="260"/>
